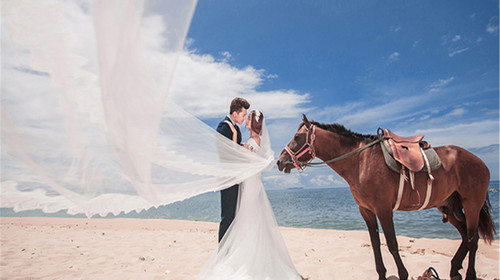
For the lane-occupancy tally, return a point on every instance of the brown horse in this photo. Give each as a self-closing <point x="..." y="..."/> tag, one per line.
<point x="459" y="190"/>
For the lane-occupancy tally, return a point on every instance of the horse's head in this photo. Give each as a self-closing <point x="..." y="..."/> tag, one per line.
<point x="299" y="150"/>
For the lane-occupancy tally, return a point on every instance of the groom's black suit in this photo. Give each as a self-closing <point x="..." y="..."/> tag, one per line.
<point x="229" y="196"/>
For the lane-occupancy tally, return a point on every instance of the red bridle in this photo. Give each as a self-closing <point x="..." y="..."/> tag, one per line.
<point x="306" y="148"/>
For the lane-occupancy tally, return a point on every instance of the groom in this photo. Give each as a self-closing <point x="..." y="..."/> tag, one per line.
<point x="229" y="196"/>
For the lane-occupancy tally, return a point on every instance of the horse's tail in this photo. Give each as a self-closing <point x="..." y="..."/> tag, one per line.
<point x="486" y="225"/>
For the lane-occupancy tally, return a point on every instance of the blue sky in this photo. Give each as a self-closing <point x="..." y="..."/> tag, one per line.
<point x="426" y="67"/>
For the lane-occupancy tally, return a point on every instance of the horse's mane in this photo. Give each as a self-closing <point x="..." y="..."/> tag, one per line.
<point x="341" y="130"/>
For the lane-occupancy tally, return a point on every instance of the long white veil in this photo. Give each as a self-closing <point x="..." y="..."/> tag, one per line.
<point x="87" y="123"/>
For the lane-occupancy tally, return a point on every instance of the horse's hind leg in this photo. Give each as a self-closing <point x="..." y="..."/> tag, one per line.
<point x="452" y="210"/>
<point x="456" y="262"/>
<point x="467" y="225"/>
<point x="472" y="221"/>
<point x="390" y="236"/>
<point x="371" y="223"/>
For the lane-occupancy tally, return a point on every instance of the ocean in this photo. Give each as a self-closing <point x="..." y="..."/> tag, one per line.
<point x="332" y="208"/>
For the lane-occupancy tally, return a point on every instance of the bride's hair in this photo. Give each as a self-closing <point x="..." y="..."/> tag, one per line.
<point x="257" y="120"/>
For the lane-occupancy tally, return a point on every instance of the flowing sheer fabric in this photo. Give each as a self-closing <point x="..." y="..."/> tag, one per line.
<point x="87" y="124"/>
<point x="252" y="247"/>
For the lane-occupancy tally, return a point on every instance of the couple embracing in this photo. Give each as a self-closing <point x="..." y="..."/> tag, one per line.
<point x="250" y="244"/>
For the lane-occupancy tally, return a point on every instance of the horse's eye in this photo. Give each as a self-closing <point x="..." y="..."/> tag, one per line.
<point x="299" y="138"/>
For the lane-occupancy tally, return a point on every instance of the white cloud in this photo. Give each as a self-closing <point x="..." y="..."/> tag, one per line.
<point x="282" y="180"/>
<point x="456" y="112"/>
<point x="457" y="44"/>
<point x="202" y="85"/>
<point x="227" y="56"/>
<point x="440" y="83"/>
<point x="282" y="131"/>
<point x="492" y="26"/>
<point x="425" y="117"/>
<point x="325" y="181"/>
<point x="395" y="28"/>
<point x="373" y="114"/>
<point x="335" y="112"/>
<point x="205" y="87"/>
<point x="455" y="52"/>
<point x="467" y="135"/>
<point x="393" y="57"/>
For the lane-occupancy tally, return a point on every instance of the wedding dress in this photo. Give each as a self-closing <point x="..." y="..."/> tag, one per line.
<point x="253" y="247"/>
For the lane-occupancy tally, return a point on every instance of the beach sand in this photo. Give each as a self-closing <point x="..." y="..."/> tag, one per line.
<point x="70" y="248"/>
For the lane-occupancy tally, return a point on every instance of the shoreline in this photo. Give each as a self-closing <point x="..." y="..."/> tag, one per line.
<point x="67" y="248"/>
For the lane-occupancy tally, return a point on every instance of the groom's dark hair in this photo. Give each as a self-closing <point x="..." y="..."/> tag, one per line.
<point x="238" y="104"/>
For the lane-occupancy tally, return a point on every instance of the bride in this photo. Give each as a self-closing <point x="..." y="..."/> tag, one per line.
<point x="252" y="247"/>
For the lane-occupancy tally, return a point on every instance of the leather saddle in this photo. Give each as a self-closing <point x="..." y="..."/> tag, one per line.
<point x="412" y="153"/>
<point x="407" y="150"/>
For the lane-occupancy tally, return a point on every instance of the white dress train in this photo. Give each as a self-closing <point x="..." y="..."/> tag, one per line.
<point x="252" y="247"/>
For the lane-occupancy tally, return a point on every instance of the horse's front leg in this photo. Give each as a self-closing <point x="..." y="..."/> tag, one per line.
<point x="371" y="223"/>
<point x="390" y="236"/>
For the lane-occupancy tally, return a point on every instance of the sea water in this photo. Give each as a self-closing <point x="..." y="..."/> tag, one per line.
<point x="332" y="208"/>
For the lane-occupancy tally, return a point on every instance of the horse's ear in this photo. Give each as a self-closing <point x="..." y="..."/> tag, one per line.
<point x="305" y="120"/>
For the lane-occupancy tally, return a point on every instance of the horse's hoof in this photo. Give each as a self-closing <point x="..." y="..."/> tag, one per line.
<point x="456" y="277"/>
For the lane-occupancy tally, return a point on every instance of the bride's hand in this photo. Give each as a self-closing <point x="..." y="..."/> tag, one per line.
<point x="235" y="135"/>
<point x="248" y="147"/>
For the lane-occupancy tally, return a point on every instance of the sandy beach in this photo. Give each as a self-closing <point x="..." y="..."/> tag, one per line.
<point x="67" y="248"/>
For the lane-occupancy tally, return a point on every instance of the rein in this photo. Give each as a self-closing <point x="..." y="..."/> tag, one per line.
<point x="300" y="165"/>
<point x="348" y="154"/>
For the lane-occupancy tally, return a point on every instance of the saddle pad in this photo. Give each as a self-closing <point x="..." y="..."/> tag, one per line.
<point x="432" y="156"/>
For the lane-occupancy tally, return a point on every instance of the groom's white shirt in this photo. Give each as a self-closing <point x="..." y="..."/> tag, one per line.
<point x="230" y="119"/>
